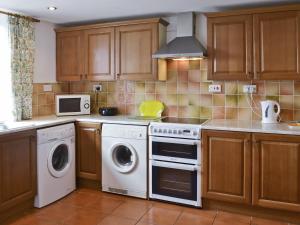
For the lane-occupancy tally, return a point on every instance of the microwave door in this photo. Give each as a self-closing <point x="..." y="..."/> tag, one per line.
<point x="69" y="105"/>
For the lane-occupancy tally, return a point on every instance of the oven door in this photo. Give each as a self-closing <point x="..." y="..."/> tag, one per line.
<point x="175" y="182"/>
<point x="175" y="149"/>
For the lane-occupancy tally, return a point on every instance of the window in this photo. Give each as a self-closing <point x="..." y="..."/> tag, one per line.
<point x="6" y="96"/>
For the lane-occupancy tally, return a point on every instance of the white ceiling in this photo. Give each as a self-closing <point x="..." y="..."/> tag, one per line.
<point x="72" y="11"/>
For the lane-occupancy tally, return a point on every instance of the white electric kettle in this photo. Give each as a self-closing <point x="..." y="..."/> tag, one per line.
<point x="270" y="111"/>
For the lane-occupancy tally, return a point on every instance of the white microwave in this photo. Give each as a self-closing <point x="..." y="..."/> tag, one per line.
<point x="68" y="105"/>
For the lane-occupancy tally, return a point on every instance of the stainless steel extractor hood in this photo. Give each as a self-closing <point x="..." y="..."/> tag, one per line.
<point x="185" y="45"/>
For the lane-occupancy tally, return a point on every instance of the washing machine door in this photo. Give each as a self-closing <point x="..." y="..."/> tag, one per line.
<point x="124" y="157"/>
<point x="59" y="159"/>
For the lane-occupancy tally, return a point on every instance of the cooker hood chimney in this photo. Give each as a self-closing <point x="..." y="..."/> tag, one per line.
<point x="185" y="45"/>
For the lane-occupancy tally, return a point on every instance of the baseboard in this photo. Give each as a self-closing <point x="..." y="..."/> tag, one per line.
<point x="273" y="214"/>
<point x="90" y="184"/>
<point x="13" y="213"/>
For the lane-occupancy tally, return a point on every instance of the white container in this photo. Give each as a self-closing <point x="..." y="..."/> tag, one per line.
<point x="270" y="111"/>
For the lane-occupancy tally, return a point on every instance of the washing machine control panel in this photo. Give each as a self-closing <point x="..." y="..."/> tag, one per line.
<point x="55" y="133"/>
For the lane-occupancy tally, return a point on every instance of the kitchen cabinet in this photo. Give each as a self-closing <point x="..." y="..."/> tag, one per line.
<point x="17" y="169"/>
<point x="99" y="47"/>
<point x="254" y="44"/>
<point x="109" y="51"/>
<point x="276" y="171"/>
<point x="276" y="42"/>
<point x="226" y="166"/>
<point x="230" y="48"/>
<point x="85" y="55"/>
<point x="135" y="45"/>
<point x="69" y="56"/>
<point x="88" y="151"/>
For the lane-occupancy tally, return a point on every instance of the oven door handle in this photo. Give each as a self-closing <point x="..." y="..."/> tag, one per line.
<point x="174" y="165"/>
<point x="174" y="140"/>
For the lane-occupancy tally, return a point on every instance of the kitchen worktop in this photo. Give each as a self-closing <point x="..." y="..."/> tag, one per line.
<point x="46" y="121"/>
<point x="249" y="126"/>
<point x="221" y="124"/>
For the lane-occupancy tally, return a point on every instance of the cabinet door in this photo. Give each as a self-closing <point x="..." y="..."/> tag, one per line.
<point x="17" y="169"/>
<point x="88" y="151"/>
<point x="135" y="45"/>
<point x="69" y="56"/>
<point x="229" y="44"/>
<point x="99" y="46"/>
<point x="227" y="166"/>
<point x="276" y="171"/>
<point x="276" y="41"/>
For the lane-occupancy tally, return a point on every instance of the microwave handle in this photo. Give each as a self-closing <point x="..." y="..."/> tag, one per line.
<point x="175" y="141"/>
<point x="174" y="165"/>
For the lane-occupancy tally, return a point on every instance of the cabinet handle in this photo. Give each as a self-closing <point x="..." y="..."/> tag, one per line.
<point x="118" y="76"/>
<point x="98" y="131"/>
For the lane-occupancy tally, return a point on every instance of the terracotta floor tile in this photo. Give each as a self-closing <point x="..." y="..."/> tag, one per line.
<point x="34" y="220"/>
<point x="57" y="212"/>
<point x="161" y="216"/>
<point x="104" y="205"/>
<point x="187" y="218"/>
<point x="79" y="199"/>
<point x="131" y="210"/>
<point x="229" y="222"/>
<point x="260" y="221"/>
<point x="168" y="206"/>
<point x="85" y="217"/>
<point x="201" y="212"/>
<point x="230" y="217"/>
<point x="114" y="220"/>
<point x="92" y="207"/>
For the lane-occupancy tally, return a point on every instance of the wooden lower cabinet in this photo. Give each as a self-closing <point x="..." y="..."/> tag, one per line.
<point x="276" y="171"/>
<point x="88" y="151"/>
<point x="17" y="169"/>
<point x="226" y="166"/>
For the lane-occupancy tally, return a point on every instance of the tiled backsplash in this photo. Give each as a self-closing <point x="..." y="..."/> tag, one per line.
<point x="185" y="94"/>
<point x="43" y="102"/>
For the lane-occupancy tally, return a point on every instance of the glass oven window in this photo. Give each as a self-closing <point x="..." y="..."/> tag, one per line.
<point x="174" y="183"/>
<point x="69" y="105"/>
<point x="174" y="150"/>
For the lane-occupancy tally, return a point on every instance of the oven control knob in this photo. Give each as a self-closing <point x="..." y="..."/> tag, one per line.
<point x="154" y="130"/>
<point x="174" y="131"/>
<point x="170" y="131"/>
<point x="195" y="133"/>
<point x="86" y="105"/>
<point x="165" y="131"/>
<point x="179" y="132"/>
<point x="159" y="130"/>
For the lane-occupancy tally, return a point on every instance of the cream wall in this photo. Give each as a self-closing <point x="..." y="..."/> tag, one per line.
<point x="44" y="66"/>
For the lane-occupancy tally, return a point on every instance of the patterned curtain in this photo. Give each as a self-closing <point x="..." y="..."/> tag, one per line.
<point x="22" y="59"/>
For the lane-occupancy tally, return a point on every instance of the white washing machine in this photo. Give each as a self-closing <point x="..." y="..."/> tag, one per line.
<point x="55" y="163"/>
<point x="124" y="159"/>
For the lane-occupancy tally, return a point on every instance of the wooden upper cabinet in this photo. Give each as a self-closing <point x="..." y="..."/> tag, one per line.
<point x="276" y="41"/>
<point x="229" y="44"/>
<point x="135" y="45"/>
<point x="69" y="56"/>
<point x="88" y="151"/>
<point x="226" y="166"/>
<point x="99" y="54"/>
<point x="276" y="171"/>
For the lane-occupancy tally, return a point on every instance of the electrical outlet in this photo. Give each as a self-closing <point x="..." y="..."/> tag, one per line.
<point x="214" y="88"/>
<point x="47" y="87"/>
<point x="97" y="87"/>
<point x="249" y="89"/>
